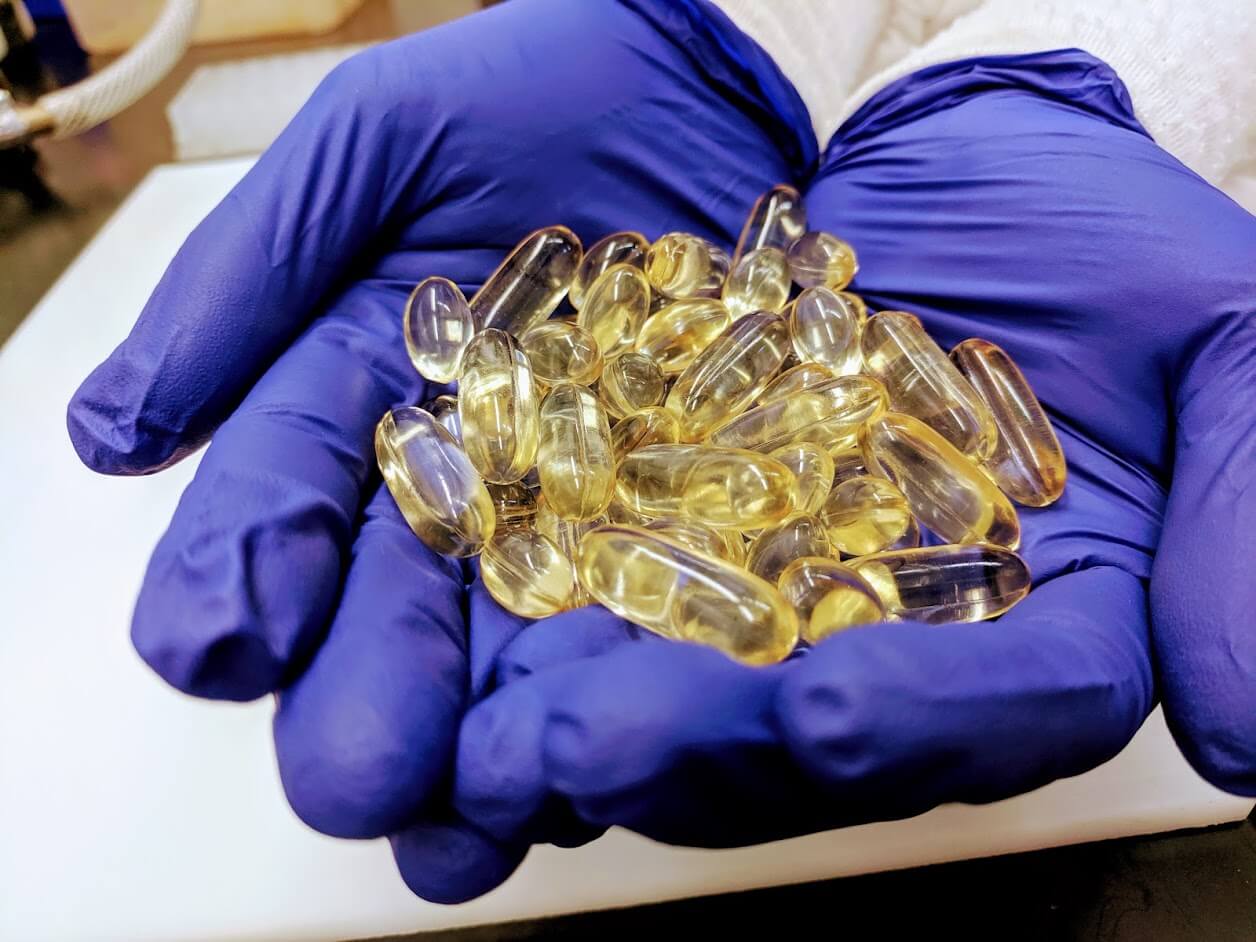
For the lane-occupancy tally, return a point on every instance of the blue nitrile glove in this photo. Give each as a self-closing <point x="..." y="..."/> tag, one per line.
<point x="277" y="330"/>
<point x="1015" y="199"/>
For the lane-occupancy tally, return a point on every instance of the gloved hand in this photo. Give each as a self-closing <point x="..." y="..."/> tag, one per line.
<point x="1015" y="199"/>
<point x="276" y="330"/>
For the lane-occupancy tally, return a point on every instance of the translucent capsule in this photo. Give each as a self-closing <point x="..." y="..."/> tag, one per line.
<point x="615" y="308"/>
<point x="940" y="584"/>
<point x="866" y="515"/>
<point x="675" y="336"/>
<point x="858" y="305"/>
<point x="444" y="410"/>
<point x="567" y="536"/>
<point x="812" y="467"/>
<point x="575" y="461"/>
<point x="820" y="258"/>
<point x="825" y="328"/>
<point x="1027" y="461"/>
<point x="848" y="464"/>
<point x="619" y="512"/>
<point x="497" y="405"/>
<point x="759" y="282"/>
<point x="728" y="375"/>
<point x="530" y="283"/>
<point x="721" y="487"/>
<point x="652" y="425"/>
<point x="777" y="218"/>
<point x="795" y="378"/>
<point x="665" y="586"/>
<point x="631" y="382"/>
<point x="437" y="326"/>
<point x="681" y="265"/>
<point x="514" y="505"/>
<point x="944" y="489"/>
<point x="828" y="596"/>
<point x="829" y="415"/>
<point x="562" y="352"/>
<point x="618" y="248"/>
<point x="923" y="383"/>
<point x="527" y="574"/>
<point x="438" y="491"/>
<point x="780" y="544"/>
<point x="724" y="544"/>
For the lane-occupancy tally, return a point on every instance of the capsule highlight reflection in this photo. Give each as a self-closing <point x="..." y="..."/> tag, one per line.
<point x="527" y="287"/>
<point x="866" y="515"/>
<point x="821" y="258"/>
<point x="829" y="414"/>
<point x="615" y="308"/>
<point x="630" y="383"/>
<point x="652" y="425"/>
<point x="812" y="467"/>
<point x="940" y="584"/>
<point x="759" y="282"/>
<point x="826" y="328"/>
<point x="574" y="460"/>
<point x="562" y="352"/>
<point x="827" y="597"/>
<point x="780" y="544"/>
<point x="497" y="405"/>
<point x="777" y="218"/>
<point x="437" y="325"/>
<point x="680" y="331"/>
<point x="795" y="379"/>
<point x="527" y="574"/>
<point x="618" y="248"/>
<point x="682" y="265"/>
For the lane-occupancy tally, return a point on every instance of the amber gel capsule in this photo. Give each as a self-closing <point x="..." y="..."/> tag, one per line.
<point x="562" y="352"/>
<point x="530" y="283"/>
<point x="618" y="248"/>
<point x="444" y="409"/>
<point x="939" y="584"/>
<point x="681" y="265"/>
<point x="575" y="460"/>
<point x="777" y="218"/>
<point x="924" y="383"/>
<point x="728" y="375"/>
<point x="652" y="425"/>
<point x="812" y="466"/>
<point x="829" y="414"/>
<point x="630" y="383"/>
<point x="759" y="282"/>
<point x="780" y="544"/>
<point x="826" y="328"/>
<point x="828" y="596"/>
<point x="675" y="336"/>
<point x="820" y="258"/>
<point x="437" y="326"/>
<point x="866" y="515"/>
<point x="947" y="492"/>
<point x="514" y="505"/>
<point x="663" y="585"/>
<point x="497" y="404"/>
<point x="616" y="306"/>
<point x="794" y="379"/>
<point x="721" y="487"/>
<point x="527" y="574"/>
<point x="725" y="544"/>
<point x="435" y="486"/>
<point x="1027" y="462"/>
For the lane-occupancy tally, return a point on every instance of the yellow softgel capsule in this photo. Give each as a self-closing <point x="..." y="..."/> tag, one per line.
<point x="776" y="220"/>
<point x="825" y="328"/>
<point x="497" y="406"/>
<point x="663" y="585"/>
<point x="631" y="382"/>
<point x="866" y="515"/>
<point x="682" y="265"/>
<point x="562" y="352"/>
<point x="615" y="308"/>
<point x="829" y="414"/>
<point x="618" y="248"/>
<point x="728" y="375"/>
<point x="858" y="304"/>
<point x="444" y="409"/>
<point x="680" y="331"/>
<point x="721" y="487"/>
<point x="847" y="464"/>
<point x="434" y="483"/>
<point x="780" y="544"/>
<point x="821" y="258"/>
<point x="530" y="283"/>
<point x="759" y="282"/>
<point x="940" y="584"/>
<point x="566" y="535"/>
<point x="1027" y="462"/>
<point x="796" y="378"/>
<point x="574" y="459"/>
<point x="725" y="544"/>
<point x="437" y="325"/>
<point x="812" y="467"/>
<point x="527" y="574"/>
<point x="513" y="504"/>
<point x="944" y="489"/>
<point x="828" y="596"/>
<point x="652" y="425"/>
<point x="924" y="383"/>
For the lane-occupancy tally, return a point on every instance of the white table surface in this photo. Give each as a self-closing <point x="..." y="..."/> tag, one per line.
<point x="128" y="811"/>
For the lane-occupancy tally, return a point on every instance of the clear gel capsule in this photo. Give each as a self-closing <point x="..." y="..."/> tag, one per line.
<point x="812" y="467"/>
<point x="615" y="308"/>
<point x="940" y="584"/>
<point x="759" y="282"/>
<point x="728" y="375"/>
<point x="681" y="265"/>
<point x="675" y="336"/>
<point x="826" y="328"/>
<point x="829" y="414"/>
<point x="795" y="378"/>
<point x="820" y="258"/>
<point x="444" y="410"/>
<point x="827" y="597"/>
<point x="631" y="382"/>
<point x="858" y="305"/>
<point x="497" y="405"/>
<point x="866" y="515"/>
<point x="944" y="489"/>
<point x="438" y="491"/>
<point x="562" y="352"/>
<point x="567" y="535"/>
<point x="530" y="283"/>
<point x="663" y="585"/>
<point x="721" y="487"/>
<point x="848" y="464"/>
<point x="575" y="461"/>
<point x="652" y="425"/>
<point x="619" y="512"/>
<point x="514" y="505"/>
<point x="780" y="544"/>
<point x="724" y="544"/>
<point x="618" y="248"/>
<point x="923" y="383"/>
<point x="527" y="574"/>
<point x="438" y="326"/>
<point x="1027" y="462"/>
<point x="777" y="218"/>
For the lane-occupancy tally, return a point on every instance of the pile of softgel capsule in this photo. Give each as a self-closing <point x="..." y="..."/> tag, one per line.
<point x="705" y="456"/>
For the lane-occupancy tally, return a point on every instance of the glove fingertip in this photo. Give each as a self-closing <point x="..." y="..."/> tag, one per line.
<point x="452" y="862"/>
<point x="559" y="639"/>
<point x="236" y="666"/>
<point x="105" y="439"/>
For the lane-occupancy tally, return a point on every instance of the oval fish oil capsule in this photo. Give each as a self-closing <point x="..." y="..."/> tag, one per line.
<point x="924" y="383"/>
<point x="514" y="505"/>
<point x="675" y="336"/>
<point x="436" y="488"/>
<point x="562" y="352"/>
<point x="826" y="328"/>
<point x="724" y="544"/>
<point x="728" y="375"/>
<point x="776" y="220"/>
<point x="618" y="248"/>
<point x="780" y="544"/>
<point x="497" y="405"/>
<point x="527" y="574"/>
<point x="1027" y="462"/>
<point x="940" y="584"/>
<point x="567" y="535"/>
<point x="721" y="487"/>
<point x="858" y="305"/>
<point x="829" y="414"/>
<point x="530" y="283"/>
<point x="652" y="425"/>
<point x="615" y="308"/>
<point x="663" y="585"/>
<point x="827" y="597"/>
<point x="866" y="515"/>
<point x="812" y="467"/>
<point x="575" y="461"/>
<point x="947" y="492"/>
<point x="682" y="265"/>
<point x="631" y="382"/>
<point x="444" y="409"/>
<point x="759" y="282"/>
<point x="820" y="258"/>
<point x="848" y="464"/>
<point x="796" y="378"/>
<point x="437" y="326"/>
